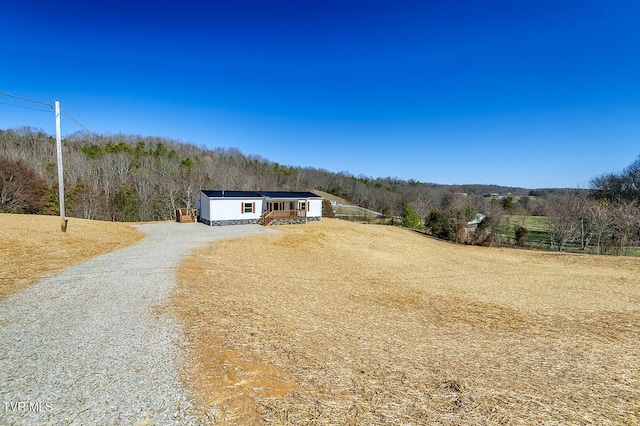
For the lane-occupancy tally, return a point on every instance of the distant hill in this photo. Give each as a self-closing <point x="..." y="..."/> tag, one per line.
<point x="138" y="178"/>
<point x="480" y="189"/>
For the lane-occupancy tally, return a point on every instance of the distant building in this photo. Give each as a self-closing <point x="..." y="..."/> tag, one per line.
<point x="479" y="218"/>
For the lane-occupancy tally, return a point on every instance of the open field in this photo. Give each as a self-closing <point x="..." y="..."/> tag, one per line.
<point x="332" y="197"/>
<point x="356" y="213"/>
<point x="33" y="247"/>
<point x="345" y="209"/>
<point x="538" y="223"/>
<point x="537" y="236"/>
<point x="342" y="323"/>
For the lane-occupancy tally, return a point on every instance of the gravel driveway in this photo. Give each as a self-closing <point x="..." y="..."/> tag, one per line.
<point x="89" y="346"/>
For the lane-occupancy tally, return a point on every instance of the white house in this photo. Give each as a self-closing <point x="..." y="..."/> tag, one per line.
<point x="264" y="207"/>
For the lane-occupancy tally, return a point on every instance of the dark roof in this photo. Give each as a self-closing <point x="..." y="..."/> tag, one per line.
<point x="259" y="194"/>
<point x="231" y="194"/>
<point x="289" y="194"/>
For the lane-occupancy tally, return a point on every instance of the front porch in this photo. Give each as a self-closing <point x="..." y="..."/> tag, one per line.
<point x="295" y="216"/>
<point x="284" y="211"/>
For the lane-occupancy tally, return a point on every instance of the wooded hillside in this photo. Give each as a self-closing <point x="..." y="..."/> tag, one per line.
<point x="139" y="178"/>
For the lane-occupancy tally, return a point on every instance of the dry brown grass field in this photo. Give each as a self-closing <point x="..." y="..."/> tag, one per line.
<point x="33" y="247"/>
<point x="342" y="323"/>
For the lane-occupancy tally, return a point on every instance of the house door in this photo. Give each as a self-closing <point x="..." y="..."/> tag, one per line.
<point x="275" y="206"/>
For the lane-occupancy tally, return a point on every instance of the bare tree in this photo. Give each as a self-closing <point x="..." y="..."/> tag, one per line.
<point x="626" y="226"/>
<point x="624" y="186"/>
<point x="564" y="222"/>
<point x="596" y="224"/>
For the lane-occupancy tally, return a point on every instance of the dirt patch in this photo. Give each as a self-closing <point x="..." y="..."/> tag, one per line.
<point x="32" y="247"/>
<point x="361" y="324"/>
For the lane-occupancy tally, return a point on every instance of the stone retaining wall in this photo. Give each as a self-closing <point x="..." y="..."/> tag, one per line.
<point x="288" y="222"/>
<point x="229" y="222"/>
<point x="257" y="221"/>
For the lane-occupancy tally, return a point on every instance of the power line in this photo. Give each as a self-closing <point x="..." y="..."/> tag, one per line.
<point x="20" y="106"/>
<point x="25" y="99"/>
<point x="78" y="123"/>
<point x="46" y="104"/>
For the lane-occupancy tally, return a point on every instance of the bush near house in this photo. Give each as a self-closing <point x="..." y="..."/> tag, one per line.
<point x="327" y="209"/>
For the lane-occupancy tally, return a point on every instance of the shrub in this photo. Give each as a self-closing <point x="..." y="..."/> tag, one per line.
<point x="127" y="204"/>
<point x="507" y="203"/>
<point x="436" y="223"/>
<point x="521" y="235"/>
<point x="21" y="189"/>
<point x="411" y="218"/>
<point x="327" y="209"/>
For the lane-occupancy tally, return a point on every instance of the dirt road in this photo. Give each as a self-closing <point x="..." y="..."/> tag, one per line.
<point x="93" y="344"/>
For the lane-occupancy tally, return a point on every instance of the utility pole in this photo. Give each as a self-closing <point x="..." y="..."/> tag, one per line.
<point x="63" y="220"/>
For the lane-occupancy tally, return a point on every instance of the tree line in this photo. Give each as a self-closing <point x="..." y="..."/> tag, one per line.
<point x="142" y="178"/>
<point x="605" y="219"/>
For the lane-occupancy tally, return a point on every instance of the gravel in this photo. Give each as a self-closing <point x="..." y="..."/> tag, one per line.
<point x="92" y="345"/>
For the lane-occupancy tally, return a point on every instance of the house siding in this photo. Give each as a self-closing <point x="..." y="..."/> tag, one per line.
<point x="219" y="208"/>
<point x="315" y="209"/>
<point x="203" y="206"/>
<point x="231" y="209"/>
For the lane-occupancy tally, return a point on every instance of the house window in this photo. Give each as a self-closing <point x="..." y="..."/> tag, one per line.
<point x="248" y="207"/>
<point x="302" y="205"/>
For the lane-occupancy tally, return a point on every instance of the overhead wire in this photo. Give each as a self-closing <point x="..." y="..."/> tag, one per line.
<point x="25" y="99"/>
<point x="46" y="104"/>
<point x="78" y="123"/>
<point x="24" y="107"/>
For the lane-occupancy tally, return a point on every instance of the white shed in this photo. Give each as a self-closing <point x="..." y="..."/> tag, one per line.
<point x="251" y="207"/>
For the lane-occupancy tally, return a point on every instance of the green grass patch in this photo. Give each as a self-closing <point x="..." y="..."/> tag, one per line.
<point x="537" y="235"/>
<point x="529" y="222"/>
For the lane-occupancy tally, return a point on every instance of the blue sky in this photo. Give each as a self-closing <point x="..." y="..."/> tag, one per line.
<point x="517" y="93"/>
